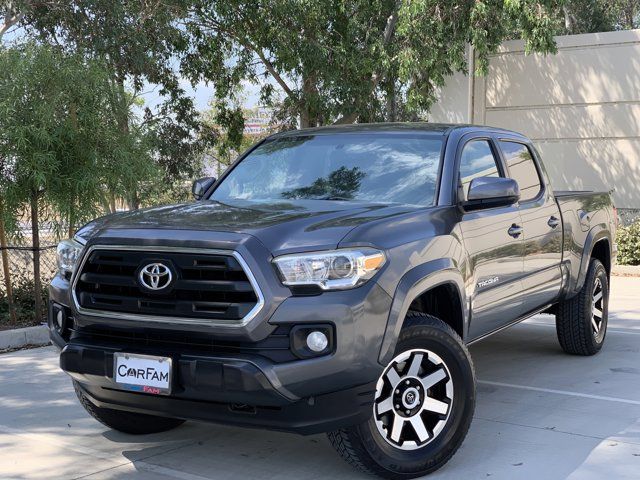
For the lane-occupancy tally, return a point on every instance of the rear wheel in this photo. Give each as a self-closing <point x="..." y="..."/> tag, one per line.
<point x="581" y="321"/>
<point x="423" y="406"/>
<point x="126" y="422"/>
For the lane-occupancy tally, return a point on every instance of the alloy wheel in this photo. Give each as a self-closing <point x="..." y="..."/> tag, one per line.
<point x="414" y="398"/>
<point x="597" y="308"/>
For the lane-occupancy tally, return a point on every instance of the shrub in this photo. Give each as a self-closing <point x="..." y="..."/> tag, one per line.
<point x="21" y="265"/>
<point x="628" y="239"/>
<point x="23" y="292"/>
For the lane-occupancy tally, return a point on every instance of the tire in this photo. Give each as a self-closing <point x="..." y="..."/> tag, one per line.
<point x="579" y="330"/>
<point x="126" y="422"/>
<point x="371" y="446"/>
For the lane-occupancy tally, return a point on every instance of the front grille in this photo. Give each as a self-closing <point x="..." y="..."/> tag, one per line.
<point x="205" y="286"/>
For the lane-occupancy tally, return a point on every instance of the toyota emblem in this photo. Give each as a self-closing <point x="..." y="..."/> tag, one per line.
<point x="155" y="276"/>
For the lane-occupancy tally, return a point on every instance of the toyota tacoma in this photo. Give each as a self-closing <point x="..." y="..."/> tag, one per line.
<point x="331" y="281"/>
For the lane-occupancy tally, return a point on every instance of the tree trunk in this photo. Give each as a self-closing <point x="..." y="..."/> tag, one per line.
<point x="35" y="236"/>
<point x="5" y="269"/>
<point x="569" y="19"/>
<point x="133" y="200"/>
<point x="304" y="117"/>
<point x="308" y="112"/>
<point x="112" y="203"/>
<point x="391" y="103"/>
<point x="629" y="14"/>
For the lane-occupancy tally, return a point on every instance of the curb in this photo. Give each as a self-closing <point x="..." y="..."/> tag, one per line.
<point x="21" y="337"/>
<point x="626" y="270"/>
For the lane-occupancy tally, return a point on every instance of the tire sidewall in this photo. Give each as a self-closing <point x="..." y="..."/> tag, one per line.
<point x="406" y="463"/>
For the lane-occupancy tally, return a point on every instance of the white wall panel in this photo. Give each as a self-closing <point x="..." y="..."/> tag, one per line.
<point x="581" y="107"/>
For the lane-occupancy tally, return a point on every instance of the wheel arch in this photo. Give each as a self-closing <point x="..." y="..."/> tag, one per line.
<point x="436" y="288"/>
<point x="602" y="251"/>
<point x="598" y="245"/>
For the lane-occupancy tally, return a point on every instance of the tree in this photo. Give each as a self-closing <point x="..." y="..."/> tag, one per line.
<point x="331" y="61"/>
<point x="231" y="138"/>
<point x="589" y="16"/>
<point x="138" y="42"/>
<point x="4" y="259"/>
<point x="358" y="60"/>
<point x="61" y="143"/>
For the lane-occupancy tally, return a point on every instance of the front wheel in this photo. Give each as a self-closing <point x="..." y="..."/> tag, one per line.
<point x="423" y="406"/>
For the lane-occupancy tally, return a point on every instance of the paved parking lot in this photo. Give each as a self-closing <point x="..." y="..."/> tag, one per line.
<point x="540" y="414"/>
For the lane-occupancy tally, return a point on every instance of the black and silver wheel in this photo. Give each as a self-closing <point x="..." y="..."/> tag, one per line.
<point x="598" y="319"/>
<point x="423" y="406"/>
<point x="581" y="321"/>
<point x="413" y="399"/>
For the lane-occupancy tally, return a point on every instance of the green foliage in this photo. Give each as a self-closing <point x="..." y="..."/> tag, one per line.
<point x="317" y="62"/>
<point x="21" y="261"/>
<point x="61" y="135"/>
<point x="23" y="298"/>
<point x="227" y="124"/>
<point x="344" y="61"/>
<point x="137" y="43"/>
<point x="628" y="239"/>
<point x="587" y="16"/>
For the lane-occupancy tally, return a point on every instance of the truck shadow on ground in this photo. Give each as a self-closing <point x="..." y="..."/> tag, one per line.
<point x="516" y="433"/>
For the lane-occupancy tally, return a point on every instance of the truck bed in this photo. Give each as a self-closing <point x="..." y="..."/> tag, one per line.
<point x="587" y="216"/>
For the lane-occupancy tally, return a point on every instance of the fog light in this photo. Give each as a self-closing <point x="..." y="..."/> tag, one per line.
<point x="59" y="320"/>
<point x="317" y="341"/>
<point x="308" y="341"/>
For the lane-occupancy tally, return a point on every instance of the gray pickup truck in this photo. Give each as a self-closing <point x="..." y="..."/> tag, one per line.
<point x="330" y="281"/>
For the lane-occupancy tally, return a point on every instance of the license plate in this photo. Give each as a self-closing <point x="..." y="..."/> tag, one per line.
<point x="142" y="373"/>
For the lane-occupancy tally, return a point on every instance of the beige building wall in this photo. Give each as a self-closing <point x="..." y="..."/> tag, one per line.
<point x="581" y="107"/>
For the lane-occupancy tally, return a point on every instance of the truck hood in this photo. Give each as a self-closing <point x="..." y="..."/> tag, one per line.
<point x="281" y="227"/>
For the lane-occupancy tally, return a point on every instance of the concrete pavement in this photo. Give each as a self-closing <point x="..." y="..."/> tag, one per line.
<point x="540" y="414"/>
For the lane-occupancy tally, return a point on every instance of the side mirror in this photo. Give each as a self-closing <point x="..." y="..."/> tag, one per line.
<point x="201" y="185"/>
<point x="486" y="192"/>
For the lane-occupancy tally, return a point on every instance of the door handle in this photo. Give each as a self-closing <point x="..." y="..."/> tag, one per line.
<point x="553" y="222"/>
<point x="515" y="230"/>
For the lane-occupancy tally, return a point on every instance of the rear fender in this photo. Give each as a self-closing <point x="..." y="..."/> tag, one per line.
<point x="596" y="234"/>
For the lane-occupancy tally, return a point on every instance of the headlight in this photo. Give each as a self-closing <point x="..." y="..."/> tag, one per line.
<point x="68" y="253"/>
<point x="332" y="270"/>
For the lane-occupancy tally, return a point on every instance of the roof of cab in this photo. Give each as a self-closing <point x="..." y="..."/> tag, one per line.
<point x="434" y="128"/>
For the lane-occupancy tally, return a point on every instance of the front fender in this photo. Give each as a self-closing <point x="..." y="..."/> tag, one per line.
<point x="413" y="284"/>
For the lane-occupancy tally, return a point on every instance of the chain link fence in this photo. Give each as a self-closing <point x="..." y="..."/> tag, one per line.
<point x="20" y="260"/>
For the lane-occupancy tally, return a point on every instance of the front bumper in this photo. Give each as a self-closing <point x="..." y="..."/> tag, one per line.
<point x="305" y="395"/>
<point x="205" y="388"/>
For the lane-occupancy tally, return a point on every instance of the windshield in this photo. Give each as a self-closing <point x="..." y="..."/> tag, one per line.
<point x="379" y="168"/>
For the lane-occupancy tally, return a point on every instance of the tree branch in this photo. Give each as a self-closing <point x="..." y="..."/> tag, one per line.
<point x="273" y="72"/>
<point x="10" y="22"/>
<point x="249" y="46"/>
